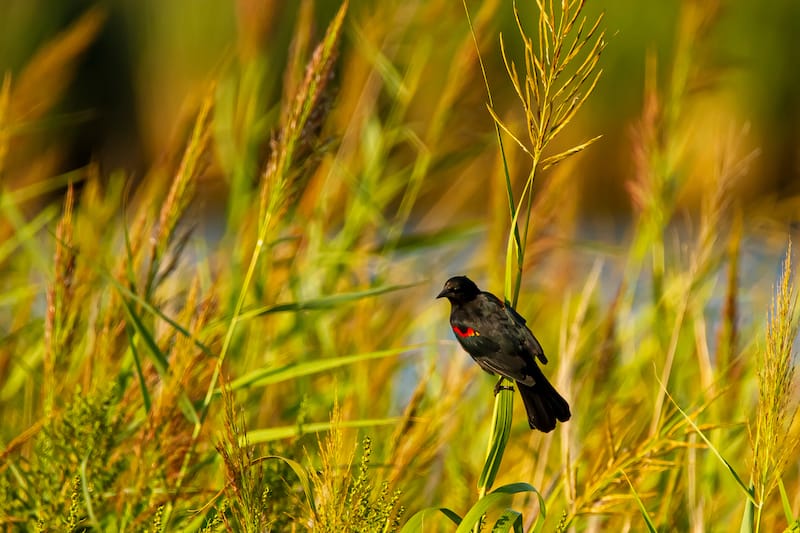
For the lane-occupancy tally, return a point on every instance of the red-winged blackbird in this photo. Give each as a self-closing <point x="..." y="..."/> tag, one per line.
<point x="496" y="337"/>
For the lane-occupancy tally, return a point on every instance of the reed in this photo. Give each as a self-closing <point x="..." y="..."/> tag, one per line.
<point x="282" y="365"/>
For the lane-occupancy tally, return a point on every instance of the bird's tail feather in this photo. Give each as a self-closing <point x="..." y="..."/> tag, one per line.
<point x="543" y="404"/>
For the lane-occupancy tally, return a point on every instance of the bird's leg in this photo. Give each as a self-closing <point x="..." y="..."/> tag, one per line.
<point x="500" y="386"/>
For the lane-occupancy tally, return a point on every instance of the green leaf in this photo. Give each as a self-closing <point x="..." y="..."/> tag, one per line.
<point x="503" y="157"/>
<point x="418" y="241"/>
<point x="748" y="517"/>
<point x="19" y="375"/>
<point x="493" y="499"/>
<point x="39" y="189"/>
<point x="87" y="498"/>
<point x="417" y="522"/>
<point x="794" y="523"/>
<point x="258" y="436"/>
<point x="24" y="233"/>
<point x="158" y="358"/>
<point x="301" y="474"/>
<point x="647" y="520"/>
<point x="510" y="520"/>
<point x="17" y="294"/>
<point x="146" y="306"/>
<point x="325" y="302"/>
<point x="748" y="491"/>
<point x="139" y="370"/>
<point x="269" y="376"/>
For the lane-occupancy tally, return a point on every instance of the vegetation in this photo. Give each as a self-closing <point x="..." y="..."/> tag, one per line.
<point x="274" y="361"/>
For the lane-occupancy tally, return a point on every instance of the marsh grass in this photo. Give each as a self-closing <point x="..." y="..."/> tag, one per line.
<point x="291" y="374"/>
<point x="560" y="74"/>
<point x="774" y="435"/>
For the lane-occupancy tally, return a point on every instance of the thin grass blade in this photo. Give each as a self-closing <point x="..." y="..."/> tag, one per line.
<point x="258" y="436"/>
<point x="510" y="520"/>
<point x="158" y="358"/>
<point x="787" y="507"/>
<point x="126" y="292"/>
<point x="748" y="517"/>
<point x="139" y="369"/>
<point x="492" y="500"/>
<point x="301" y="473"/>
<point x="647" y="520"/>
<point x="268" y="376"/>
<point x="748" y="491"/>
<point x="417" y="523"/>
<point x="156" y="355"/>
<point x="325" y="302"/>
<point x="87" y="497"/>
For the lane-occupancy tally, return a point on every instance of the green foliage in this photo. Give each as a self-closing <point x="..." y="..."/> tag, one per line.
<point x="551" y="93"/>
<point x="346" y="498"/>
<point x="259" y="493"/>
<point x="475" y="518"/>
<point x="76" y="461"/>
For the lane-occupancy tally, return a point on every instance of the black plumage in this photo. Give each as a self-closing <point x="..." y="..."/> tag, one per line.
<point x="498" y="339"/>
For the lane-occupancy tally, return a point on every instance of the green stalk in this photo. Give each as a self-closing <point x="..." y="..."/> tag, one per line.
<point x="504" y="400"/>
<point x="501" y="430"/>
<point x="548" y="110"/>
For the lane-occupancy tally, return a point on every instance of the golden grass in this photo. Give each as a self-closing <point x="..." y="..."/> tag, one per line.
<point x="122" y="323"/>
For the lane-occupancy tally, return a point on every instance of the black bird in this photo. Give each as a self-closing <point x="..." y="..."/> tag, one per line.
<point x="496" y="337"/>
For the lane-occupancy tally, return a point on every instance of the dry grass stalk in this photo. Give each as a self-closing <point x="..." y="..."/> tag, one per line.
<point x="774" y="441"/>
<point x="59" y="302"/>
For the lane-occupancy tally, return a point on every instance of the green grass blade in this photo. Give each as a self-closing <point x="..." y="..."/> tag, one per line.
<point x="159" y="360"/>
<point x="302" y="475"/>
<point x="748" y="517"/>
<point x="126" y="292"/>
<point x="139" y="370"/>
<point x="421" y="241"/>
<point x="259" y="436"/>
<point x="516" y="488"/>
<point x="787" y="506"/>
<point x="416" y="524"/>
<point x="510" y="520"/>
<point x="325" y="302"/>
<point x="748" y="491"/>
<point x="15" y="379"/>
<point x="131" y="275"/>
<point x="647" y="520"/>
<point x="17" y="294"/>
<point x="24" y="233"/>
<point x="87" y="498"/>
<point x="268" y="376"/>
<point x="501" y="431"/>
<point x="493" y="499"/>
<point x="157" y="356"/>
<point x="39" y="189"/>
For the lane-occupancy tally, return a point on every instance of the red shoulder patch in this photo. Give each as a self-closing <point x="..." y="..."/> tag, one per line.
<point x="469" y="332"/>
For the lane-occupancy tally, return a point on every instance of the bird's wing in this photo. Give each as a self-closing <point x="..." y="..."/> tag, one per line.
<point x="534" y="348"/>
<point x="516" y="317"/>
<point x="473" y="341"/>
<point x="512" y="367"/>
<point x="531" y="344"/>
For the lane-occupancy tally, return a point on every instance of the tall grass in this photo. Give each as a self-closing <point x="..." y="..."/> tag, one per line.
<point x="285" y="368"/>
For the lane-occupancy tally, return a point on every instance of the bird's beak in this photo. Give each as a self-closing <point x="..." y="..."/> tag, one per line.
<point x="442" y="294"/>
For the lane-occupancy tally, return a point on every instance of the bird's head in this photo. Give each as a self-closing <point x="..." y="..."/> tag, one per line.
<point x="459" y="289"/>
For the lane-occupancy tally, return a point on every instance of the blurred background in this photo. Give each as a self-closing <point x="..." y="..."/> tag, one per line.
<point x="118" y="91"/>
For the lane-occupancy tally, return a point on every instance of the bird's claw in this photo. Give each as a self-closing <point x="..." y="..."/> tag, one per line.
<point x="498" y="388"/>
